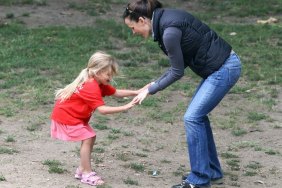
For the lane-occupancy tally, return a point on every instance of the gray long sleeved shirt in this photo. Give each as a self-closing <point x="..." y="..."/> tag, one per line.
<point x="172" y="39"/>
<point x="187" y="42"/>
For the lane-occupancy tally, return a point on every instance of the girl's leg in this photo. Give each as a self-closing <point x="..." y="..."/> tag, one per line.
<point x="88" y="176"/>
<point x="85" y="155"/>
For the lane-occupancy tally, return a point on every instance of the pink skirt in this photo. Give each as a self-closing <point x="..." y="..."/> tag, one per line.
<point x="71" y="132"/>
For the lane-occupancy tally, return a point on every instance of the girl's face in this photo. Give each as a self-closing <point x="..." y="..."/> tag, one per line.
<point x="104" y="77"/>
<point x="142" y="27"/>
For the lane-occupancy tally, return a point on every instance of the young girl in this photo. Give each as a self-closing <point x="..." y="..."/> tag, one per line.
<point x="76" y="102"/>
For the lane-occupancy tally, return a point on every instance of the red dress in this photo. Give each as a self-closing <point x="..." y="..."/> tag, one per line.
<point x="70" y="118"/>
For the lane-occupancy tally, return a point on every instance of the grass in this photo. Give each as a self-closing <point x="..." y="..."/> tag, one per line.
<point x="99" y="150"/>
<point x="6" y="150"/>
<point x="137" y="167"/>
<point x="72" y="186"/>
<point x="180" y="171"/>
<point x="23" y="2"/>
<point x="50" y="45"/>
<point x="252" y="168"/>
<point x="130" y="181"/>
<point x="228" y="155"/>
<point x="123" y="156"/>
<point x="242" y="8"/>
<point x="10" y="139"/>
<point x="35" y="62"/>
<point x="55" y="166"/>
<point x="33" y="127"/>
<point x="255" y="116"/>
<point x="2" y="178"/>
<point x="234" y="164"/>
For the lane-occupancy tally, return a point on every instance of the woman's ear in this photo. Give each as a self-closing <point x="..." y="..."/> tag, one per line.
<point x="141" y="19"/>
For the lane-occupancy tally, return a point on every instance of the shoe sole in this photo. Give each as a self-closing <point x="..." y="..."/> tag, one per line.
<point x="218" y="186"/>
<point x="217" y="183"/>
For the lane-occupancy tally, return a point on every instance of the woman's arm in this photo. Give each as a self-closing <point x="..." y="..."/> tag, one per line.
<point x="172" y="40"/>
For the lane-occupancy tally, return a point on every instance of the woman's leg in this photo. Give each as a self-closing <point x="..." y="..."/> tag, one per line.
<point x="202" y="151"/>
<point x="214" y="164"/>
<point x="85" y="154"/>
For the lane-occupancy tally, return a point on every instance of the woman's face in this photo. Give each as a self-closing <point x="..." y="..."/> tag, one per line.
<point x="142" y="27"/>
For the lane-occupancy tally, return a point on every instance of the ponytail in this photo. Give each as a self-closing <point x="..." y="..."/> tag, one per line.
<point x="98" y="62"/>
<point x="66" y="92"/>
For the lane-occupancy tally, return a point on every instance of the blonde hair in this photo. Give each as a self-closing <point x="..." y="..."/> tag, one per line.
<point x="98" y="62"/>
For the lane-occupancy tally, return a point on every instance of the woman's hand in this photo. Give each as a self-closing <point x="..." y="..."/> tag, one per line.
<point x="145" y="87"/>
<point x="141" y="96"/>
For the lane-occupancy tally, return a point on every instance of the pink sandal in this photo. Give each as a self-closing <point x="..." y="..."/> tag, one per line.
<point x="92" y="179"/>
<point x="78" y="174"/>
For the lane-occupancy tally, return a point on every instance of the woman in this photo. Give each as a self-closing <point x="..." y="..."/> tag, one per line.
<point x="188" y="42"/>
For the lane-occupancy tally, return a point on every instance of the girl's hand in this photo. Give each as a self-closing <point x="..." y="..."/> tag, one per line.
<point x="130" y="104"/>
<point x="141" y="96"/>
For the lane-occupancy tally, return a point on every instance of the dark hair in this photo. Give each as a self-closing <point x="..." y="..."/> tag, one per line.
<point x="141" y="8"/>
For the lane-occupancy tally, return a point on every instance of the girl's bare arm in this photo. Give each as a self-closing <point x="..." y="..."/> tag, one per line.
<point x="127" y="93"/>
<point x="115" y="109"/>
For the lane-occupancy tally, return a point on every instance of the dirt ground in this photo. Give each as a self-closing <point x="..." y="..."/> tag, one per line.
<point x="25" y="169"/>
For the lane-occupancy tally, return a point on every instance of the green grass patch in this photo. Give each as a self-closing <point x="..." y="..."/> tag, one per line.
<point x="55" y="166"/>
<point x="99" y="150"/>
<point x="128" y="133"/>
<point x="234" y="164"/>
<point x="112" y="137"/>
<point x="228" y="155"/>
<point x="141" y="155"/>
<point x="254" y="165"/>
<point x="242" y="8"/>
<point x="100" y="126"/>
<point x="256" y="116"/>
<point x="115" y="131"/>
<point x="232" y="177"/>
<point x="98" y="159"/>
<point x="6" y="150"/>
<point x="33" y="127"/>
<point x="137" y="167"/>
<point x="130" y="181"/>
<point x="123" y="156"/>
<point x="10" y="139"/>
<point x="180" y="171"/>
<point x="238" y="131"/>
<point x="2" y="178"/>
<point x="23" y="2"/>
<point x="165" y="161"/>
<point x="271" y="151"/>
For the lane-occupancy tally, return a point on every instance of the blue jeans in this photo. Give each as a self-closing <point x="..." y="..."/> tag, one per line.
<point x="204" y="161"/>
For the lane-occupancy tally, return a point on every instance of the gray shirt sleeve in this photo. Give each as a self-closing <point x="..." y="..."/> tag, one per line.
<point x="171" y="39"/>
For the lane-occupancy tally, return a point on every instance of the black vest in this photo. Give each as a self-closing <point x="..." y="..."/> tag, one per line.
<point x="203" y="50"/>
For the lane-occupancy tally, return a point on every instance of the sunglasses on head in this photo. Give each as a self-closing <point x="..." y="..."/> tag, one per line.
<point x="131" y="13"/>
